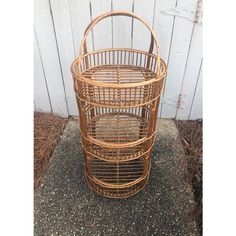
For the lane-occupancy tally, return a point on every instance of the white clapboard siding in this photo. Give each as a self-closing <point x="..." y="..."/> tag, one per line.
<point x="102" y="31"/>
<point x="61" y="18"/>
<point x="80" y="18"/>
<point x="191" y="74"/>
<point x="178" y="57"/>
<point x="41" y="96"/>
<point x="196" y="108"/>
<point x="141" y="35"/>
<point x="48" y="50"/>
<point x="59" y="28"/>
<point x="122" y="26"/>
<point x="163" y="26"/>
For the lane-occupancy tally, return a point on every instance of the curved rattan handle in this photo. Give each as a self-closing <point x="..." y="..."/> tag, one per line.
<point x="121" y="13"/>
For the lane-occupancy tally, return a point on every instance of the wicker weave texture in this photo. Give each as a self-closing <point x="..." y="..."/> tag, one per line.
<point x="118" y="92"/>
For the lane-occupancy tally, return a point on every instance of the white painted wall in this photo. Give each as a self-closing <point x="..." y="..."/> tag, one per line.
<point x="59" y="26"/>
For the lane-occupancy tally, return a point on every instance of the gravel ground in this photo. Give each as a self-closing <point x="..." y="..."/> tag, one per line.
<point x="64" y="205"/>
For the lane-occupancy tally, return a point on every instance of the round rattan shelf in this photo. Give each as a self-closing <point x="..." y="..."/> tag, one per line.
<point x="118" y="92"/>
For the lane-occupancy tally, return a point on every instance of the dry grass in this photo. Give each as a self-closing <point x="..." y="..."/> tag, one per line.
<point x="47" y="132"/>
<point x="191" y="137"/>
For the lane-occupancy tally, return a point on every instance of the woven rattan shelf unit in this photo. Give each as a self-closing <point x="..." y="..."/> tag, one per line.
<point x="118" y="92"/>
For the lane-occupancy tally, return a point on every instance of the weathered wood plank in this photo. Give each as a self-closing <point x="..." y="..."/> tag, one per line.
<point x="191" y="74"/>
<point x="196" y="109"/>
<point x="49" y="54"/>
<point x="163" y="27"/>
<point x="122" y="26"/>
<point x="182" y="34"/>
<point x="80" y="18"/>
<point x="61" y="17"/>
<point x="41" y="96"/>
<point x="102" y="31"/>
<point x="141" y="35"/>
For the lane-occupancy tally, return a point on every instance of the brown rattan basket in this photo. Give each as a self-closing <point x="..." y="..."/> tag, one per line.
<point x="118" y="92"/>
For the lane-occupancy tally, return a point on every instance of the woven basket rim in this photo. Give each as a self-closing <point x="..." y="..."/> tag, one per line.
<point x="79" y="77"/>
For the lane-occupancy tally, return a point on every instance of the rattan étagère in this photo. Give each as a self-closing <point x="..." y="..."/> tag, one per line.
<point x="118" y="92"/>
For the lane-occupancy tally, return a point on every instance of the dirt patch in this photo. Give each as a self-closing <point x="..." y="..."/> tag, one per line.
<point x="47" y="131"/>
<point x="191" y="137"/>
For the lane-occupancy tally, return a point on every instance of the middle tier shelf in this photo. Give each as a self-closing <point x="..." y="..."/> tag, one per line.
<point x="117" y="128"/>
<point x="118" y="136"/>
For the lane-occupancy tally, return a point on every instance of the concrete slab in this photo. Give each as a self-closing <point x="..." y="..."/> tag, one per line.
<point x="64" y="205"/>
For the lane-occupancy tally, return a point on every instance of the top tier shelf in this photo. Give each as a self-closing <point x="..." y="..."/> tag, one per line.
<point x="118" y="78"/>
<point x="119" y="74"/>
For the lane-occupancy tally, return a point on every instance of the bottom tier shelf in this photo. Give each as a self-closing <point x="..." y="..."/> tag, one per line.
<point x="117" y="192"/>
<point x="118" y="180"/>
